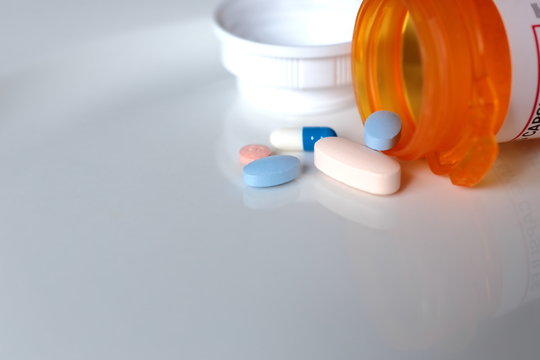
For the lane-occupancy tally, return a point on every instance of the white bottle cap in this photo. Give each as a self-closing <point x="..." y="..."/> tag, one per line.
<point x="290" y="56"/>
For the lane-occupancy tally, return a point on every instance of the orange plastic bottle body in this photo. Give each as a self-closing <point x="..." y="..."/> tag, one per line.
<point x="445" y="67"/>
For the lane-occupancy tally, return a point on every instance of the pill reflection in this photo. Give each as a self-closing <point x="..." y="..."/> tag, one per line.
<point x="271" y="198"/>
<point x="371" y="211"/>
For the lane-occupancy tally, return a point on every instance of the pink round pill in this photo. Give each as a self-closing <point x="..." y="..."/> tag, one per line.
<point x="253" y="152"/>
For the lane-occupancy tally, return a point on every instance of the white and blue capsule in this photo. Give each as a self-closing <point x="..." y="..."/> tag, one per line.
<point x="299" y="139"/>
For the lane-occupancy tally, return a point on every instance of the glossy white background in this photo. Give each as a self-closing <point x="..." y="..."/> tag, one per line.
<point x="126" y="232"/>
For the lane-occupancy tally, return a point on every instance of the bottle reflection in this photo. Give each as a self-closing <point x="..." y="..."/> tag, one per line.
<point x="426" y="290"/>
<point x="456" y="260"/>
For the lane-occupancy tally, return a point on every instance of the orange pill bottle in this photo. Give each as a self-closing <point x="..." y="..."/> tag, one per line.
<point x="462" y="74"/>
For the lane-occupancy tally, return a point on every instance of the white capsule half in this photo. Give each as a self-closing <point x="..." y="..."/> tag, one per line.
<point x="287" y="139"/>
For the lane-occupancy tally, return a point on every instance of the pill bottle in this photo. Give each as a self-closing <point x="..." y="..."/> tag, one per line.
<point x="462" y="74"/>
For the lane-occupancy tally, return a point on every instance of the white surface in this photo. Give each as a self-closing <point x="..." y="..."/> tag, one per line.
<point x="289" y="56"/>
<point x="126" y="232"/>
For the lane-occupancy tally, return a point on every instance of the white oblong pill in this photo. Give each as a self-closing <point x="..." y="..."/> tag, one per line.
<point x="358" y="166"/>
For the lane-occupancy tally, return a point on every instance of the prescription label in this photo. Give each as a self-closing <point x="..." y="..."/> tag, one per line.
<point x="532" y="127"/>
<point x="522" y="23"/>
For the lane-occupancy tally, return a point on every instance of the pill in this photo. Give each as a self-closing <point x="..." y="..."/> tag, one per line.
<point x="272" y="171"/>
<point x="357" y="166"/>
<point x="382" y="130"/>
<point x="298" y="139"/>
<point x="253" y="152"/>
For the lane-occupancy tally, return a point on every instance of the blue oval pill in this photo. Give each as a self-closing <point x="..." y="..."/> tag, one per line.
<point x="272" y="171"/>
<point x="382" y="130"/>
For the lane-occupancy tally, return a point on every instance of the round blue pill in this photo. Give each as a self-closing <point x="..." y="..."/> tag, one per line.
<point x="272" y="171"/>
<point x="382" y="130"/>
